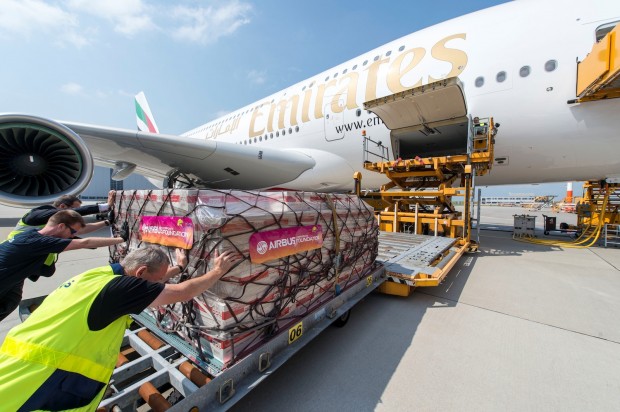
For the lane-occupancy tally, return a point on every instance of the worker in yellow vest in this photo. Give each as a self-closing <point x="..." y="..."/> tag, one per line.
<point x="38" y="217"/>
<point x="32" y="253"/>
<point x="63" y="355"/>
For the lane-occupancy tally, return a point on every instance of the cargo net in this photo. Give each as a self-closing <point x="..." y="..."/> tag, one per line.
<point x="253" y="301"/>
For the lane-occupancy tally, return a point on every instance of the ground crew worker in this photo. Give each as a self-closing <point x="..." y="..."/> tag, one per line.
<point x="39" y="216"/>
<point x="30" y="254"/>
<point x="63" y="355"/>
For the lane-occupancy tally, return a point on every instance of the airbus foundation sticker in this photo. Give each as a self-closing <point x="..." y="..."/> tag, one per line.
<point x="168" y="230"/>
<point x="274" y="244"/>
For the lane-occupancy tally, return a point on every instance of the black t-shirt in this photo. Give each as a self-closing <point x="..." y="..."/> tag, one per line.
<point x="40" y="215"/>
<point x="123" y="295"/>
<point x="24" y="256"/>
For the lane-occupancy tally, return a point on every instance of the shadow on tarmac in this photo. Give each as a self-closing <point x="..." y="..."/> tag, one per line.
<point x="381" y="327"/>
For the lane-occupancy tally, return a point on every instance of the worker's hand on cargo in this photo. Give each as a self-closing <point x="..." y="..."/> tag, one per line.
<point x="111" y="194"/>
<point x="124" y="231"/>
<point x="181" y="257"/>
<point x="111" y="216"/>
<point x="223" y="262"/>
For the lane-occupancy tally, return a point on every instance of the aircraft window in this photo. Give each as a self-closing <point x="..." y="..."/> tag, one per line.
<point x="344" y="71"/>
<point x="376" y="58"/>
<point x="271" y="135"/>
<point x="401" y="48"/>
<point x="551" y="65"/>
<point x="290" y="130"/>
<point x="303" y="88"/>
<point x="296" y="128"/>
<point x="601" y="31"/>
<point x="358" y="112"/>
<point x="335" y="75"/>
<point x="501" y="76"/>
<point x="245" y="142"/>
<point x="311" y="84"/>
<point x="365" y="63"/>
<point x="388" y="52"/>
<point x="277" y="134"/>
<point x="524" y="71"/>
<point x="283" y="132"/>
<point x="354" y="67"/>
<point x="265" y="136"/>
<point x="260" y="138"/>
<point x="479" y="82"/>
<point x="255" y="140"/>
<point x="327" y="78"/>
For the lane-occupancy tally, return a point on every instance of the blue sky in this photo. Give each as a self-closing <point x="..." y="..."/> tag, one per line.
<point x="84" y="60"/>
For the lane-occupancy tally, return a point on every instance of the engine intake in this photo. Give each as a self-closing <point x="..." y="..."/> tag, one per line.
<point x="40" y="160"/>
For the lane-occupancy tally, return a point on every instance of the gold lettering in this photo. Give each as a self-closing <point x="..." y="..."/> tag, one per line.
<point x="272" y="109"/>
<point x="318" y="105"/>
<point x="456" y="57"/>
<point x="371" y="84"/>
<point x="255" y="115"/>
<point x="395" y="74"/>
<point x="282" y="105"/>
<point x="350" y="89"/>
<point x="306" y="107"/>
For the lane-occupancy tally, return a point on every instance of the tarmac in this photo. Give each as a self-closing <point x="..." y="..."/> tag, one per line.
<point x="514" y="327"/>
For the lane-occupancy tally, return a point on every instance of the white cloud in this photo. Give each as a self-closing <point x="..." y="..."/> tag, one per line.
<point x="221" y="113"/>
<point x="257" y="77"/>
<point x="30" y="17"/>
<point x="207" y="24"/>
<point x="81" y="22"/>
<point x="72" y="88"/>
<point x="128" y="16"/>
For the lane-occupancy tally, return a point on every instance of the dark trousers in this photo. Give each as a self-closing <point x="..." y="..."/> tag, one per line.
<point x="10" y="298"/>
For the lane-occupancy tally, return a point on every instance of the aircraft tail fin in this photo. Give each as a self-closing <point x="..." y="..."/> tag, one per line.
<point x="144" y="117"/>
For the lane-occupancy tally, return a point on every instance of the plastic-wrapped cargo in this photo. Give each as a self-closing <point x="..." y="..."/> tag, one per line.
<point x="300" y="249"/>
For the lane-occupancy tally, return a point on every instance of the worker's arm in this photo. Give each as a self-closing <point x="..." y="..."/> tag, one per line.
<point x="184" y="291"/>
<point x="91" y="227"/>
<point x="93" y="242"/>
<point x="181" y="259"/>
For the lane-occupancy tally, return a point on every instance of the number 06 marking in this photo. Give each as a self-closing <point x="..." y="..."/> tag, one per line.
<point x="295" y="332"/>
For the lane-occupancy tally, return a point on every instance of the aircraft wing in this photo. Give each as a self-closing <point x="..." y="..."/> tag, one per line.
<point x="41" y="159"/>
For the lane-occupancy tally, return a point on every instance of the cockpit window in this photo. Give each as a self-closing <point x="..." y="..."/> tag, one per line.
<point x="603" y="29"/>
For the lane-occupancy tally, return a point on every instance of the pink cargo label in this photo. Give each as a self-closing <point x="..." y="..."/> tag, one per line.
<point x="168" y="230"/>
<point x="274" y="244"/>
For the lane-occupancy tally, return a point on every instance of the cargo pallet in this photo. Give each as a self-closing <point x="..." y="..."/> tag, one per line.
<point x="166" y="372"/>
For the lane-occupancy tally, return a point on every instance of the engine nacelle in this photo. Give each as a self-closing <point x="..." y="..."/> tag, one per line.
<point x="40" y="160"/>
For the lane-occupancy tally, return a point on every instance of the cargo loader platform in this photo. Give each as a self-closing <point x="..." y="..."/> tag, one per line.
<point x="438" y="150"/>
<point x="417" y="260"/>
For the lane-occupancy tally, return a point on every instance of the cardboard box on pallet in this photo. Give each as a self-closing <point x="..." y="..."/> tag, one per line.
<point x="291" y="263"/>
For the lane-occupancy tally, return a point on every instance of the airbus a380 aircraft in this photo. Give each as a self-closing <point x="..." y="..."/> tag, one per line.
<point x="516" y="61"/>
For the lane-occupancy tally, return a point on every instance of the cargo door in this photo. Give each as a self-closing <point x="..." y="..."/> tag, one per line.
<point x="425" y="121"/>
<point x="334" y="121"/>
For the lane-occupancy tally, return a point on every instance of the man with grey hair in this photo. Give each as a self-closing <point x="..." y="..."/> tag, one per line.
<point x="63" y="355"/>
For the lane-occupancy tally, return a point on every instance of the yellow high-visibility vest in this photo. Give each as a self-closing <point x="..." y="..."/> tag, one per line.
<point x="56" y="336"/>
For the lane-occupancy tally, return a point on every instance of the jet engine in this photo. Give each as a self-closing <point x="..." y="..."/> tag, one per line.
<point x="40" y="160"/>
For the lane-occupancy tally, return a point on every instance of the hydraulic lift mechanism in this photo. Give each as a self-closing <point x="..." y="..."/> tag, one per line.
<point x="438" y="150"/>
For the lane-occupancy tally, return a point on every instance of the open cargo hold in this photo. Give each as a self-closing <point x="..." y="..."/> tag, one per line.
<point x="300" y="250"/>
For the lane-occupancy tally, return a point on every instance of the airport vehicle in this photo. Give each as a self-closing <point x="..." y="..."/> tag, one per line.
<point x="516" y="60"/>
